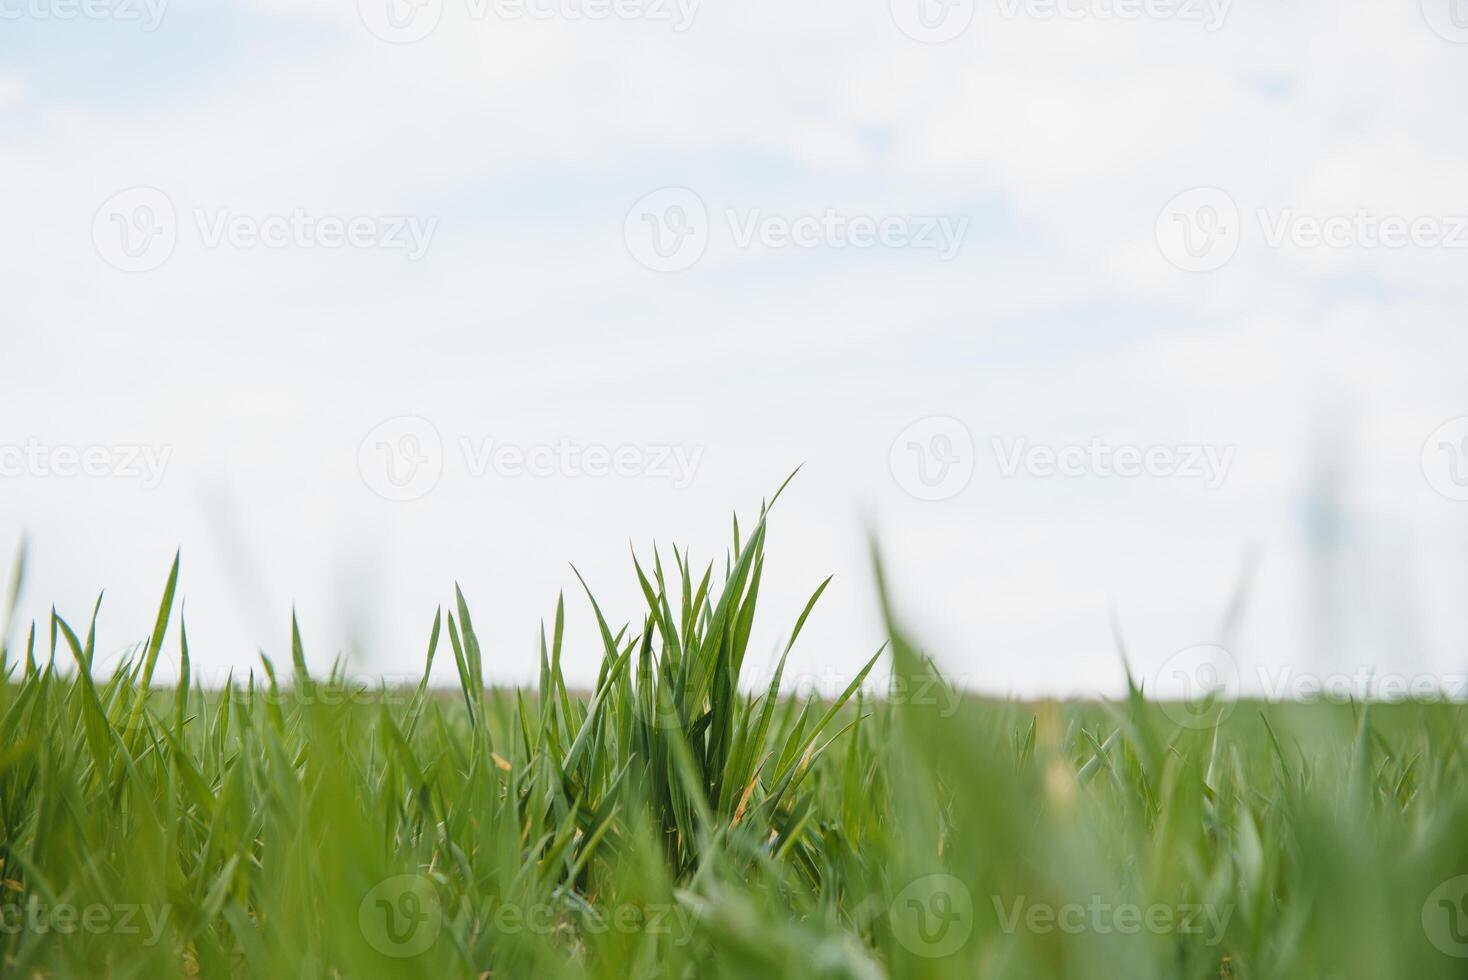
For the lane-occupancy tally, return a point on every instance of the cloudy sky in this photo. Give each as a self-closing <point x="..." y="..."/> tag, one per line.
<point x="1079" y="306"/>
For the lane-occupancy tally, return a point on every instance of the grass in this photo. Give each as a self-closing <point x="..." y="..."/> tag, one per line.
<point x="669" y="824"/>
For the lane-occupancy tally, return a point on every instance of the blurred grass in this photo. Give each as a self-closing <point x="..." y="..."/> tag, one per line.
<point x="668" y="824"/>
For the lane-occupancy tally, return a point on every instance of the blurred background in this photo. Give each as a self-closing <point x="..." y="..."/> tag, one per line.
<point x="1088" y="309"/>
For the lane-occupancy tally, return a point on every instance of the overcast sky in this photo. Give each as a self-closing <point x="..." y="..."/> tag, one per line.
<point x="1076" y="305"/>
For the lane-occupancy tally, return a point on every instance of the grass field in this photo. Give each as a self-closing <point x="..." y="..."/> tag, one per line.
<point x="668" y="824"/>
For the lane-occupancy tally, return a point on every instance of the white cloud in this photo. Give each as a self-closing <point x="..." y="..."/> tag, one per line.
<point x="529" y="319"/>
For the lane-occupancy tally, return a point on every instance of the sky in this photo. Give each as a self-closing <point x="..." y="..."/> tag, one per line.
<point x="1099" y="317"/>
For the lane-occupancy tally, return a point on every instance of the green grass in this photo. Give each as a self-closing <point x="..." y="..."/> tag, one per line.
<point x="669" y="824"/>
